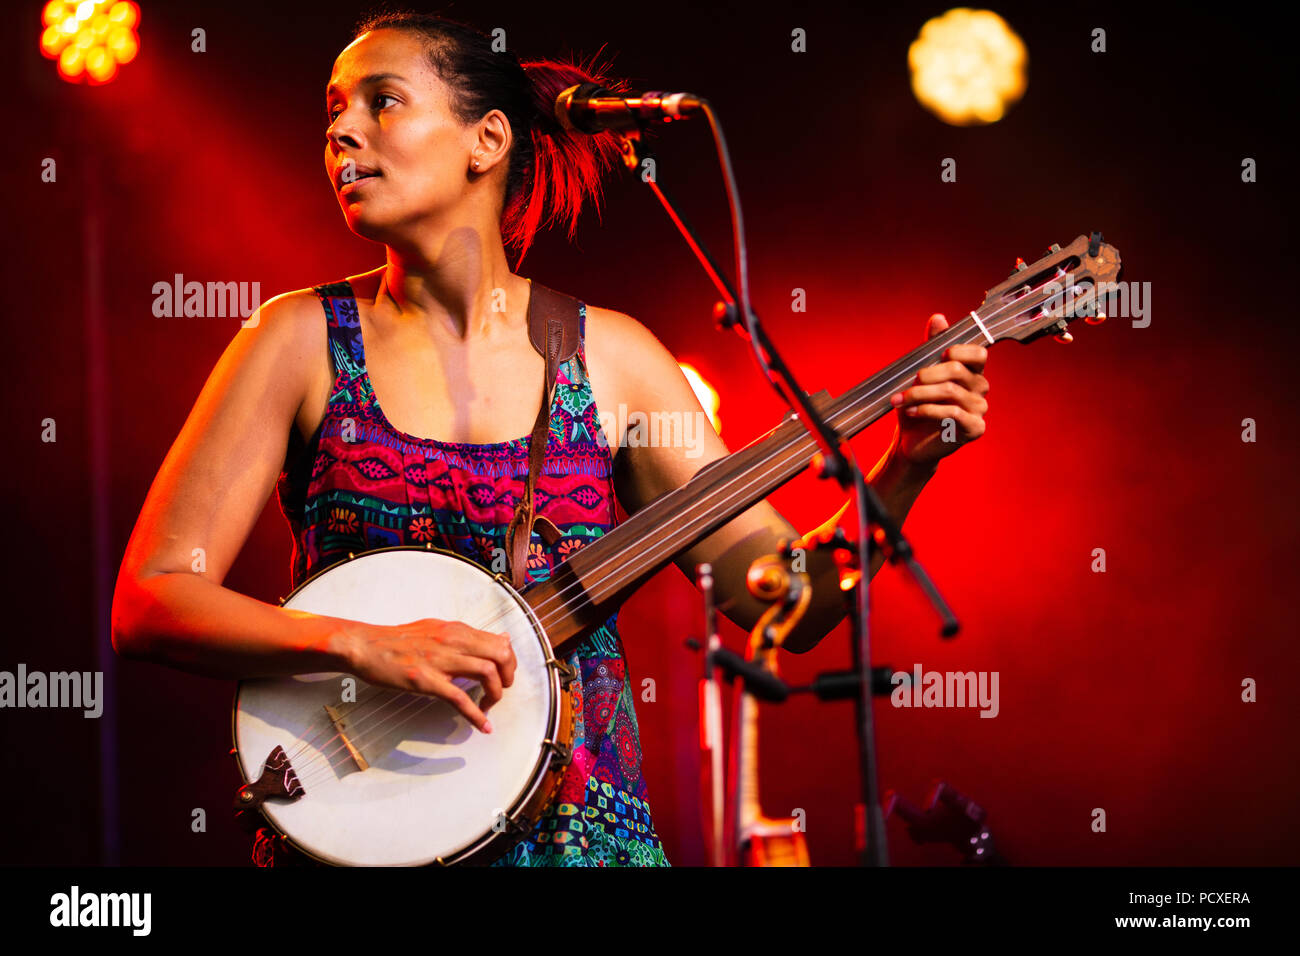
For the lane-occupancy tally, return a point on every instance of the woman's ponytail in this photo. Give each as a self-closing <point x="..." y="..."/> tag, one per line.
<point x="568" y="167"/>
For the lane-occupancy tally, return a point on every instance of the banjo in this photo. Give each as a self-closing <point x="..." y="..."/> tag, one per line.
<point x="353" y="774"/>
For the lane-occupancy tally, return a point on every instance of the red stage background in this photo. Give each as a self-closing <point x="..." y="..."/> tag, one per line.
<point x="1119" y="690"/>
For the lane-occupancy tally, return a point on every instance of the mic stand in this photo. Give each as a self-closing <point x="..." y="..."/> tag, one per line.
<point x="830" y="462"/>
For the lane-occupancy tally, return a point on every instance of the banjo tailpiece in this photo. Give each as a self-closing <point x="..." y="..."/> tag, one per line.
<point x="278" y="780"/>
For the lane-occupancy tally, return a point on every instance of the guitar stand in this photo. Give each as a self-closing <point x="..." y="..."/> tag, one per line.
<point x="761" y="683"/>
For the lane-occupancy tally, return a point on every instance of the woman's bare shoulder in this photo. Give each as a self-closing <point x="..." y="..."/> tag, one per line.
<point x="302" y="307"/>
<point x="295" y="308"/>
<point x="618" y="342"/>
<point x="618" y="336"/>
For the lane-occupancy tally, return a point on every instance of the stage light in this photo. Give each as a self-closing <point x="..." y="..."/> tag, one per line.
<point x="51" y="42"/>
<point x="967" y="66"/>
<point x="705" y="392"/>
<point x="124" y="14"/>
<point x="123" y="44"/>
<point x="89" y="40"/>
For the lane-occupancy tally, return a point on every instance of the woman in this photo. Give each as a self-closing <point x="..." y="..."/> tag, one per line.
<point x="443" y="151"/>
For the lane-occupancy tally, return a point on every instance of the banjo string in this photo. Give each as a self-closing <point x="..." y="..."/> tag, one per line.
<point x="357" y="719"/>
<point x="326" y="725"/>
<point x="302" y="744"/>
<point x="547" y="610"/>
<point x="312" y="771"/>
<point x="312" y="766"/>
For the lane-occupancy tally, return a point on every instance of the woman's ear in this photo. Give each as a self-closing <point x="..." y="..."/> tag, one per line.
<point x="493" y="143"/>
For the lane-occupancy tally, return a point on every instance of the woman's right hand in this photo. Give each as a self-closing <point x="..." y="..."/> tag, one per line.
<point x="423" y="656"/>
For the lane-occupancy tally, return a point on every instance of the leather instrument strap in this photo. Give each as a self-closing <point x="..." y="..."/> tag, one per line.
<point x="553" y="330"/>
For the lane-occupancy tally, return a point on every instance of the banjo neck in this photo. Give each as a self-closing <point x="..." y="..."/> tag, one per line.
<point x="585" y="590"/>
<point x="1037" y="299"/>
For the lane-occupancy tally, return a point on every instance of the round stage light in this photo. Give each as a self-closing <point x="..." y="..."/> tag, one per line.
<point x="89" y="40"/>
<point x="968" y="66"/>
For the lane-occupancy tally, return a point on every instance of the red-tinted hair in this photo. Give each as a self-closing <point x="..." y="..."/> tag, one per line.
<point x="552" y="171"/>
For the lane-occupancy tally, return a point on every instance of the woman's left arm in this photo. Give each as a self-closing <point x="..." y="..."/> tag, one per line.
<point x="648" y="379"/>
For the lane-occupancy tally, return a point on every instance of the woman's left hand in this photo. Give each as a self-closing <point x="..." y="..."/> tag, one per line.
<point x="944" y="409"/>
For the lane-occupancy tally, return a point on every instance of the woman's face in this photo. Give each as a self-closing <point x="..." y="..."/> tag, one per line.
<point x="395" y="154"/>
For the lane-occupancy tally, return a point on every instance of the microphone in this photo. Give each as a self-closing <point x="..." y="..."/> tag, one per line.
<point x="590" y="108"/>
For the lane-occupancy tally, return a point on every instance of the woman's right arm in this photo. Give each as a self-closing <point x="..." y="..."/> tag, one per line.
<point x="169" y="605"/>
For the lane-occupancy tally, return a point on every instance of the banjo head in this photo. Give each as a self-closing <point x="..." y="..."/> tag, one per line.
<point x="434" y="788"/>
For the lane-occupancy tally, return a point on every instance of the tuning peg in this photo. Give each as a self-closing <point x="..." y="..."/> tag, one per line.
<point x="1053" y="248"/>
<point x="1097" y="319"/>
<point x="1020" y="266"/>
<point x="1065" y="338"/>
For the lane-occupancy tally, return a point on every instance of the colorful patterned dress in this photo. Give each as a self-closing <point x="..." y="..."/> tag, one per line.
<point x="384" y="488"/>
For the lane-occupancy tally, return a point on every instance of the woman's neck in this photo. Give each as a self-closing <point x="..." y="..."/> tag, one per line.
<point x="463" y="286"/>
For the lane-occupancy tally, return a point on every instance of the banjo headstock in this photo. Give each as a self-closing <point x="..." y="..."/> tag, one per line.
<point x="1044" y="297"/>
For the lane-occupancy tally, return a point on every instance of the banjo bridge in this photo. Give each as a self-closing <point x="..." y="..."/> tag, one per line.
<point x="341" y="726"/>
